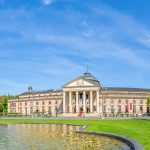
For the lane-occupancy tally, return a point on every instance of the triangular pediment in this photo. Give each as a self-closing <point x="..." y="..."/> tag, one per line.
<point x="79" y="82"/>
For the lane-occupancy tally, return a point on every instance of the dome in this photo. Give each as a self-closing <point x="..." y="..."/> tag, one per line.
<point x="90" y="77"/>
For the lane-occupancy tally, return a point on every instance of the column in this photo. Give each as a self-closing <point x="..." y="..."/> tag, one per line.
<point x="97" y="101"/>
<point x="84" y="102"/>
<point x="91" y="101"/>
<point x="70" y="102"/>
<point x="64" y="102"/>
<point x="77" y="102"/>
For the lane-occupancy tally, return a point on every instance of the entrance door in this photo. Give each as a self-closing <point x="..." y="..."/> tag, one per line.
<point x="81" y="109"/>
<point x="87" y="110"/>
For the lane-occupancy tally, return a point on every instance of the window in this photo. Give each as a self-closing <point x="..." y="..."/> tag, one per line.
<point x="127" y="108"/>
<point x="112" y="109"/>
<point x="119" y="101"/>
<point x="20" y="104"/>
<point x="87" y="96"/>
<point x="26" y="112"/>
<point x="112" y="101"/>
<point x="25" y="103"/>
<point x="104" y="101"/>
<point x="55" y="102"/>
<point x="12" y="104"/>
<point x="43" y="103"/>
<point x="119" y="109"/>
<point x="49" y="102"/>
<point x="37" y="103"/>
<point x="43" y="109"/>
<point x="141" y="108"/>
<point x="141" y="101"/>
<point x="80" y="96"/>
<point x="134" y="101"/>
<point x="104" y="108"/>
<point x="49" y="110"/>
<point x="134" y="108"/>
<point x="94" y="108"/>
<point x="127" y="101"/>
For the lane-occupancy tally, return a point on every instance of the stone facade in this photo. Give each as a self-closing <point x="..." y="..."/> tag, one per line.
<point x="84" y="96"/>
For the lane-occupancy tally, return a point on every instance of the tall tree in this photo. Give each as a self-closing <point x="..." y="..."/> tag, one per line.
<point x="1" y="108"/>
<point x="4" y="102"/>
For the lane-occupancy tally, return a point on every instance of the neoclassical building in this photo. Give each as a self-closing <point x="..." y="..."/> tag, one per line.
<point x="82" y="96"/>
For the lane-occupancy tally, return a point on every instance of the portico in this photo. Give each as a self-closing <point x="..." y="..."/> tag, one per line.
<point x="81" y="95"/>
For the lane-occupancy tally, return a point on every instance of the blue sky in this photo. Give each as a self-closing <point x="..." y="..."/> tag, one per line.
<point x="45" y="43"/>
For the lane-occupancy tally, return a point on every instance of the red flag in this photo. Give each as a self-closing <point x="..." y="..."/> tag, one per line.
<point x="130" y="106"/>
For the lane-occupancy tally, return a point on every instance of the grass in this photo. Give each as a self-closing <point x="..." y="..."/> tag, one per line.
<point x="138" y="130"/>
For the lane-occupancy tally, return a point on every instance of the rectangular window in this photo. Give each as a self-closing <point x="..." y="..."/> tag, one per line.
<point x="134" y="101"/>
<point x="80" y="96"/>
<point x="112" y="109"/>
<point x="119" y="109"/>
<point x="12" y="104"/>
<point x="141" y="108"/>
<point x="43" y="103"/>
<point x="104" y="109"/>
<point x="37" y="103"/>
<point x="43" y="109"/>
<point x="127" y="101"/>
<point x="49" y="110"/>
<point x="104" y="101"/>
<point x="119" y="101"/>
<point x="141" y="101"/>
<point x="94" y="108"/>
<point x="112" y="101"/>
<point x="134" y="108"/>
<point x="20" y="104"/>
<point x="87" y="97"/>
<point x="49" y="102"/>
<point x="26" y="112"/>
<point x="25" y="103"/>
<point x="127" y="108"/>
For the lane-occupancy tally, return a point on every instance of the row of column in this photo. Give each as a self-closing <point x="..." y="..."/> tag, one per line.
<point x="84" y="101"/>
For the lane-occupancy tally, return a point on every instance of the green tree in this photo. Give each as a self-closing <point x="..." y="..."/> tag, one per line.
<point x="4" y="102"/>
<point x="1" y="108"/>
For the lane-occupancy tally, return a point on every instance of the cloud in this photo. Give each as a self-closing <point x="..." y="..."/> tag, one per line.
<point x="53" y="48"/>
<point x="47" y="2"/>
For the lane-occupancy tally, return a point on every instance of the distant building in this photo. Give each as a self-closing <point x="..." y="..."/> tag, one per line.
<point x="82" y="96"/>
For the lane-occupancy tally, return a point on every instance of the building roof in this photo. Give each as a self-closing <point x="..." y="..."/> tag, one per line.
<point x="89" y="77"/>
<point x="126" y="89"/>
<point x="40" y="92"/>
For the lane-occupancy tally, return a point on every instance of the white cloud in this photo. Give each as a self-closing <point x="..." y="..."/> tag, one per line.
<point x="47" y="2"/>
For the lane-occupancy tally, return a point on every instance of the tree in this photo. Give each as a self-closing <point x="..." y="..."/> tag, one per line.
<point x="1" y="108"/>
<point x="4" y="102"/>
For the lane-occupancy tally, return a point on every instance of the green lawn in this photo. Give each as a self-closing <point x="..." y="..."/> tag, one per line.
<point x="138" y="130"/>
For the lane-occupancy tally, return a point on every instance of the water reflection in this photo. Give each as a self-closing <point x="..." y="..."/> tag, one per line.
<point x="53" y="137"/>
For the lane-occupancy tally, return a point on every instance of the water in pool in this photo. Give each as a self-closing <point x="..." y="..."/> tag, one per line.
<point x="53" y="137"/>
